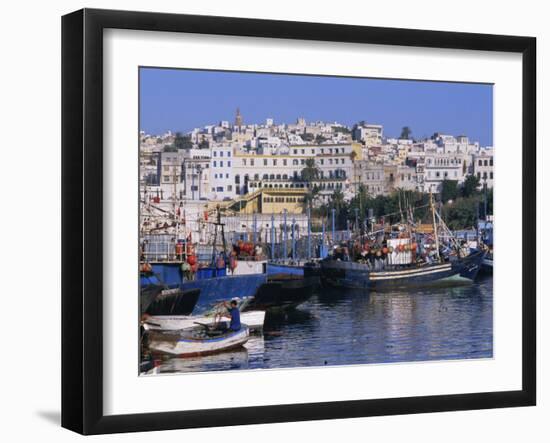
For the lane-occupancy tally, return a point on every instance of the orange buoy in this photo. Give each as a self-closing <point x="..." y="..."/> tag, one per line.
<point x="192" y="260"/>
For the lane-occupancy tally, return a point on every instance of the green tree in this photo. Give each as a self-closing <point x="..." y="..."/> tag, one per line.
<point x="470" y="185"/>
<point x="320" y="138"/>
<point x="307" y="137"/>
<point x="342" y="129"/>
<point x="462" y="213"/>
<point x="405" y="133"/>
<point x="169" y="148"/>
<point x="310" y="171"/>
<point x="182" y="141"/>
<point x="449" y="190"/>
<point x="204" y="144"/>
<point x="311" y="197"/>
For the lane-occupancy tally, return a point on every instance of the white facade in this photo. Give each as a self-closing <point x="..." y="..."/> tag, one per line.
<point x="483" y="167"/>
<point x="221" y="173"/>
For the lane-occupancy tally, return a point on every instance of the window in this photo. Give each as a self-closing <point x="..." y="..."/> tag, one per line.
<point x="229" y="164"/>
<point x="265" y="161"/>
<point x="256" y="176"/>
<point x="229" y="188"/>
<point x="294" y="162"/>
<point x="219" y="189"/>
<point x="491" y="161"/>
<point x="480" y="163"/>
<point x="264" y="177"/>
<point x="322" y="161"/>
<point x="252" y="162"/>
<point x="229" y="153"/>
<point x="284" y="162"/>
<point x="166" y="178"/>
<point x="215" y="155"/>
<point x="485" y="163"/>
<point x="303" y="162"/>
<point x="213" y="189"/>
<point x="295" y="151"/>
<point x="221" y="164"/>
<point x="479" y="175"/>
<point x="244" y="161"/>
<point x="491" y="175"/>
<point x="274" y="162"/>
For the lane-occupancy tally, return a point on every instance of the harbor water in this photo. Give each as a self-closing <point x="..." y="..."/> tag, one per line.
<point x="344" y="327"/>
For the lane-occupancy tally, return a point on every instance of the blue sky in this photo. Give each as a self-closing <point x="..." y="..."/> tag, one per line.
<point x="180" y="100"/>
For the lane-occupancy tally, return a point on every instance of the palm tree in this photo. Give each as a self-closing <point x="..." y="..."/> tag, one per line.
<point x="337" y="199"/>
<point x="310" y="172"/>
<point x="311" y="197"/>
<point x="405" y="133"/>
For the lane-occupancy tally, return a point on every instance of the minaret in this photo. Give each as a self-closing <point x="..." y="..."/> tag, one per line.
<point x="238" y="118"/>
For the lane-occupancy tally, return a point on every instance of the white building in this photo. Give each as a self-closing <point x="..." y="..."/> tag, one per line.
<point x="221" y="173"/>
<point x="483" y="166"/>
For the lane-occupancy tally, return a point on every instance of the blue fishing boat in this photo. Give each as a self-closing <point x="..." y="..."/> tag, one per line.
<point x="275" y="268"/>
<point x="223" y="279"/>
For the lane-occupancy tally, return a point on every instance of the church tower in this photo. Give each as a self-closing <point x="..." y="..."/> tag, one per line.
<point x="238" y="118"/>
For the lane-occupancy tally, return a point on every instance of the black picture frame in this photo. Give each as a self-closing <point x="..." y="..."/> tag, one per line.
<point x="82" y="218"/>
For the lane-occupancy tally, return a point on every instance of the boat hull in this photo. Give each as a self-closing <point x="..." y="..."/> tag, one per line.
<point x="283" y="292"/>
<point x="359" y="276"/>
<point x="147" y="295"/>
<point x="472" y="264"/>
<point x="174" y="301"/>
<point x="285" y="269"/>
<point x="183" y="346"/>
<point x="254" y="320"/>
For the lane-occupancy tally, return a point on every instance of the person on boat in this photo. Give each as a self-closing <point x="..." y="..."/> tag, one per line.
<point x="234" y="314"/>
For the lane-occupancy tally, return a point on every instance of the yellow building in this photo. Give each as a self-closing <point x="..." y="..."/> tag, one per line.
<point x="270" y="201"/>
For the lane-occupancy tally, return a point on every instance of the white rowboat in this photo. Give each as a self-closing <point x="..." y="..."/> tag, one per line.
<point x="196" y="341"/>
<point x="254" y="320"/>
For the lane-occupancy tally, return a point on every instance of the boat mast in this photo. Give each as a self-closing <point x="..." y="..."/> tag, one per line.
<point x="436" y="236"/>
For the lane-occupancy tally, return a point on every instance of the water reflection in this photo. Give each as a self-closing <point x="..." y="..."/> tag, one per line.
<point x="338" y="327"/>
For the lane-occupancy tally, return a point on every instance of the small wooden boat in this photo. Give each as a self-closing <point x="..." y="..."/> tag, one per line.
<point x="197" y="341"/>
<point x="254" y="320"/>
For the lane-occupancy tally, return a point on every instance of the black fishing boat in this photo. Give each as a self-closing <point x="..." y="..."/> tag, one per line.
<point x="156" y="298"/>
<point x="282" y="292"/>
<point x="403" y="261"/>
<point x="174" y="301"/>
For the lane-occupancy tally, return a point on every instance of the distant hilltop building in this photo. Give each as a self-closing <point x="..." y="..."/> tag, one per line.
<point x="238" y="118"/>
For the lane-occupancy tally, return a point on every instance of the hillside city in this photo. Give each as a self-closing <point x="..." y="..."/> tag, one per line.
<point x="231" y="162"/>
